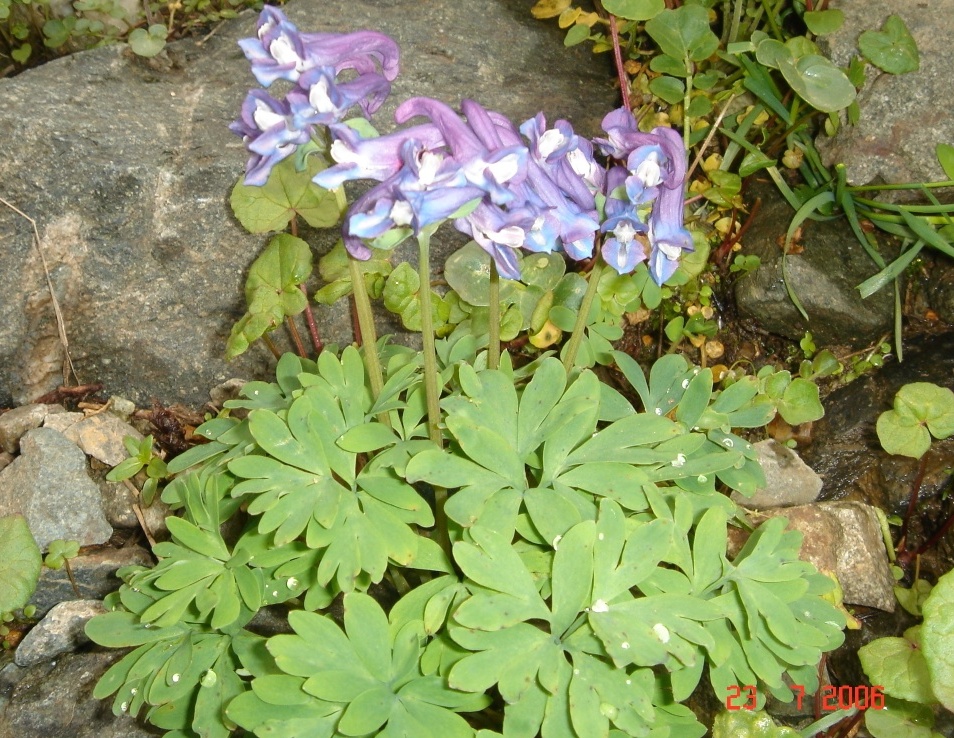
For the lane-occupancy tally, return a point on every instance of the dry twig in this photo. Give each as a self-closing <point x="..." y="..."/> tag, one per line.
<point x="60" y="324"/>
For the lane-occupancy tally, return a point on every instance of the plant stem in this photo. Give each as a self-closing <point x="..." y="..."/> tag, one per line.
<point x="493" y="348"/>
<point x="369" y="336"/>
<point x="362" y="303"/>
<point x="296" y="336"/>
<point x="618" y="58"/>
<point x="271" y="346"/>
<point x="432" y="389"/>
<point x="569" y="358"/>
<point x="312" y="325"/>
<point x="432" y="385"/>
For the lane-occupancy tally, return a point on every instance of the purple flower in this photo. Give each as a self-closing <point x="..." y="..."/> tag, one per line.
<point x="427" y="188"/>
<point x="667" y="234"/>
<point x="270" y="135"/>
<point x="500" y="233"/>
<point x="375" y="158"/>
<point x="279" y="51"/>
<point x="625" y="245"/>
<point x="320" y="100"/>
<point x="490" y="169"/>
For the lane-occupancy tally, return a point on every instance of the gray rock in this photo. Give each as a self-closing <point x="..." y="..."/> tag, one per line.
<point x="48" y="485"/>
<point x="788" y="479"/>
<point x="94" y="574"/>
<point x="128" y="164"/>
<point x="824" y="277"/>
<point x="59" y="632"/>
<point x="101" y="436"/>
<point x="901" y="120"/>
<point x="118" y="501"/>
<point x="228" y="390"/>
<point x="54" y="699"/>
<point x="5" y="459"/>
<point x="845" y="538"/>
<point x="62" y="421"/>
<point x="121" y="407"/>
<point x="14" y="423"/>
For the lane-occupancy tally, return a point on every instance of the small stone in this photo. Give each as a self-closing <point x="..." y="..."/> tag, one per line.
<point x="118" y="501"/>
<point x="59" y="632"/>
<point x="61" y="421"/>
<point x="228" y="390"/>
<point x="121" y="407"/>
<point x="844" y="538"/>
<point x="15" y="423"/>
<point x="101" y="436"/>
<point x="48" y="484"/>
<point x="788" y="479"/>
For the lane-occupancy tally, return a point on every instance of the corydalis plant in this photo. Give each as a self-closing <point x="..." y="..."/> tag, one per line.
<point x="531" y="187"/>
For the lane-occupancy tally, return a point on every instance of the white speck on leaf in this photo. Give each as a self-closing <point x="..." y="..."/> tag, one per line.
<point x="600" y="606"/>
<point x="662" y="632"/>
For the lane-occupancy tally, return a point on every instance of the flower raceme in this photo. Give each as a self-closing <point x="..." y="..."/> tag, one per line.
<point x="532" y="187"/>
<point x="273" y="129"/>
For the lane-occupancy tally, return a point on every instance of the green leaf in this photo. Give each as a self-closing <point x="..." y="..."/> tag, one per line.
<point x="22" y="53"/>
<point x="20" y="563"/>
<point x="576" y="35"/>
<point x="121" y="629"/>
<point x="937" y="639"/>
<point x="637" y="10"/>
<point x="665" y="64"/>
<point x="800" y="402"/>
<point x="899" y="666"/>
<point x="945" y="156"/>
<point x="492" y="563"/>
<point x="367" y="437"/>
<point x="272" y="290"/>
<point x="823" y="22"/>
<point x="148" y="42"/>
<point x="749" y="724"/>
<point x="921" y="410"/>
<point x="668" y="88"/>
<point x="900" y="719"/>
<point x="287" y="192"/>
<point x="684" y="32"/>
<point x="892" y="49"/>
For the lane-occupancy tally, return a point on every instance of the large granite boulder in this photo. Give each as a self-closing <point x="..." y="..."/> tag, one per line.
<point x="126" y="166"/>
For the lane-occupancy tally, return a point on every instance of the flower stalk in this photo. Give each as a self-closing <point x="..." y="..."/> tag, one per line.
<point x="493" y="348"/>
<point x="573" y="345"/>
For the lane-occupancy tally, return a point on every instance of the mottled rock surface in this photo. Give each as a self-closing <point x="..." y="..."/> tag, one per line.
<point x="59" y="632"/>
<point x="824" y="276"/>
<point x="902" y="116"/>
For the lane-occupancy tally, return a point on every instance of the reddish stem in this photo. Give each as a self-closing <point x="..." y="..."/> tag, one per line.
<point x="296" y="336"/>
<point x="618" y="58"/>
<point x="312" y="325"/>
<point x="912" y="503"/>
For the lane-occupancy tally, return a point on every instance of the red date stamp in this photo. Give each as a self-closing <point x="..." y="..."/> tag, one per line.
<point x="831" y="698"/>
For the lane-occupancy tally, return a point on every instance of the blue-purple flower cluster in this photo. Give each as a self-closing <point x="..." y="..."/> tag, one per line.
<point x="535" y="188"/>
<point x="273" y="129"/>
